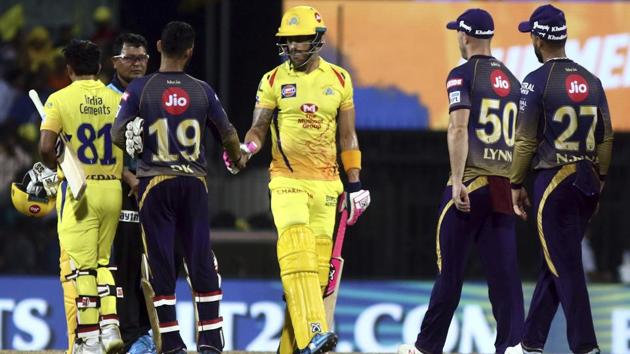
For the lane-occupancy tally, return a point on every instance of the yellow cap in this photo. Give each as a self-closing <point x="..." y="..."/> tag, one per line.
<point x="38" y="33"/>
<point x="301" y="21"/>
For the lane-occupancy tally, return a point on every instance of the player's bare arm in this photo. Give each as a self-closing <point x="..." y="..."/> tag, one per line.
<point x="348" y="138"/>
<point x="47" y="142"/>
<point x="260" y="126"/>
<point x="131" y="180"/>
<point x="457" y="137"/>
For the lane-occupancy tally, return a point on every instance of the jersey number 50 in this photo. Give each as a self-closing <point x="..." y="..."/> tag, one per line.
<point x="160" y="128"/>
<point x="500" y="126"/>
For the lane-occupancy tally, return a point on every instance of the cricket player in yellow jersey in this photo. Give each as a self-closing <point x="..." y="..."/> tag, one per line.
<point x="304" y="100"/>
<point x="84" y="111"/>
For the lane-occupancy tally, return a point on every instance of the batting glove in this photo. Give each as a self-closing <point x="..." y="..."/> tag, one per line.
<point x="48" y="178"/>
<point x="133" y="137"/>
<point x="356" y="201"/>
<point x="34" y="186"/>
<point x="231" y="166"/>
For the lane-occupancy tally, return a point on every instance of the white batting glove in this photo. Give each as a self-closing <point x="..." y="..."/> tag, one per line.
<point x="133" y="137"/>
<point x="48" y="178"/>
<point x="356" y="201"/>
<point x="34" y="186"/>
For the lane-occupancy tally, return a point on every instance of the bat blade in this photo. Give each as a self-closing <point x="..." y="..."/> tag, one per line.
<point x="69" y="162"/>
<point x="336" y="268"/>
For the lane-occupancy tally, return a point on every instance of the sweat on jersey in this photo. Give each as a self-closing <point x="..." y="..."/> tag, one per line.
<point x="84" y="112"/>
<point x="490" y="91"/>
<point x="305" y="126"/>
<point x="176" y="108"/>
<point x="563" y="118"/>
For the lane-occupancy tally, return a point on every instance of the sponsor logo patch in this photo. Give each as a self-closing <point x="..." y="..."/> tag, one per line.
<point x="500" y="83"/>
<point x="125" y="96"/>
<point x="316" y="327"/>
<point x="309" y="108"/>
<point x="454" y="82"/>
<point x="175" y="100"/>
<point x="288" y="90"/>
<point x="34" y="209"/>
<point x="454" y="97"/>
<point x="526" y="88"/>
<point x="577" y="87"/>
<point x="329" y="91"/>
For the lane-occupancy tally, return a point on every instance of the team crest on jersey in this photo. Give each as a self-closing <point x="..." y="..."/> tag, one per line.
<point x="577" y="87"/>
<point x="454" y="82"/>
<point x="454" y="97"/>
<point x="500" y="82"/>
<point x="288" y="90"/>
<point x="175" y="100"/>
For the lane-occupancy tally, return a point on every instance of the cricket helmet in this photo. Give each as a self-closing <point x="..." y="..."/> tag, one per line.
<point x="36" y="204"/>
<point x="301" y="21"/>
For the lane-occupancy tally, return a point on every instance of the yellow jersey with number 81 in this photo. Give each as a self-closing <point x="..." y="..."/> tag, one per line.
<point x="84" y="111"/>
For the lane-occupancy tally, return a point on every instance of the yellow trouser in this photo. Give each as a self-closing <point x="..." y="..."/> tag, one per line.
<point x="86" y="231"/>
<point x="304" y="213"/>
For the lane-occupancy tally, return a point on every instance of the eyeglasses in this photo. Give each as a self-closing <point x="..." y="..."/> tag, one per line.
<point x="130" y="59"/>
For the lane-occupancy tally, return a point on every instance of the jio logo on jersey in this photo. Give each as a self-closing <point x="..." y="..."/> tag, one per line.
<point x="500" y="82"/>
<point x="577" y="87"/>
<point x="175" y="100"/>
<point x="309" y="108"/>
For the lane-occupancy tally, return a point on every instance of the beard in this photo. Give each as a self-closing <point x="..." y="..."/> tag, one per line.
<point x="539" y="55"/>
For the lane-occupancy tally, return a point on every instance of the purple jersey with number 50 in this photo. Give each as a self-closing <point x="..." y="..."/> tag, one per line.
<point x="491" y="92"/>
<point x="176" y="109"/>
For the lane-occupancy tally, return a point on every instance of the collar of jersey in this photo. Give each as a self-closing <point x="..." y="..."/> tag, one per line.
<point x="323" y="65"/>
<point x="89" y="83"/>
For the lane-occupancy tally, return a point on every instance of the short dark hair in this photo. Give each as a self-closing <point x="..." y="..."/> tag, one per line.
<point x="555" y="44"/>
<point x="83" y="56"/>
<point x="177" y="37"/>
<point x="131" y="39"/>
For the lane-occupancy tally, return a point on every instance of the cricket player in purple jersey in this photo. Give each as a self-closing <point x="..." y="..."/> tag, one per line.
<point x="564" y="132"/>
<point x="163" y="119"/>
<point x="476" y="206"/>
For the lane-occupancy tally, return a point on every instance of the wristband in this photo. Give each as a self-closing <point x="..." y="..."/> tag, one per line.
<point x="351" y="159"/>
<point x="353" y="187"/>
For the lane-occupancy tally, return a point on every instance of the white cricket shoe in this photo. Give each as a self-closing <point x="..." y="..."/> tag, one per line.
<point x="408" y="349"/>
<point x="110" y="336"/>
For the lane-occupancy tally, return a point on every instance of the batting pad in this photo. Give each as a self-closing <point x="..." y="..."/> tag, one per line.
<point x="297" y="257"/>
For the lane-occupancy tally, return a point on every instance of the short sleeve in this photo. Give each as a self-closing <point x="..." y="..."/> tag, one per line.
<point x="458" y="89"/>
<point x="265" y="96"/>
<point x="347" y="100"/>
<point x="52" y="119"/>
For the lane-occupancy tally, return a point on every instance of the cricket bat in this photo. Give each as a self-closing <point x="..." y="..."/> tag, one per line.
<point x="69" y="162"/>
<point x="336" y="268"/>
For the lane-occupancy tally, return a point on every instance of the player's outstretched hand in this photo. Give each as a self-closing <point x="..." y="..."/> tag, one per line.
<point x="356" y="200"/>
<point x="520" y="201"/>
<point x="133" y="137"/>
<point x="460" y="197"/>
<point x="48" y="178"/>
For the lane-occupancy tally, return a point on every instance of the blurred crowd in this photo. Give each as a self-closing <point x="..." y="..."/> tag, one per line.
<point x="31" y="58"/>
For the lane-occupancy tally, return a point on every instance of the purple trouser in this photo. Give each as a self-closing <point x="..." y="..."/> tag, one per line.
<point x="175" y="210"/>
<point x="494" y="235"/>
<point x="562" y="215"/>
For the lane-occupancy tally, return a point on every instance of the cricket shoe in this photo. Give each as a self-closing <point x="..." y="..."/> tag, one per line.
<point x="408" y="349"/>
<point x="321" y="343"/>
<point x="143" y="345"/>
<point x="209" y="350"/>
<point x="112" y="341"/>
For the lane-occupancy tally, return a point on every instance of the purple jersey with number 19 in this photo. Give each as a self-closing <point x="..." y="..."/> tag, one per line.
<point x="491" y="92"/>
<point x="176" y="109"/>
